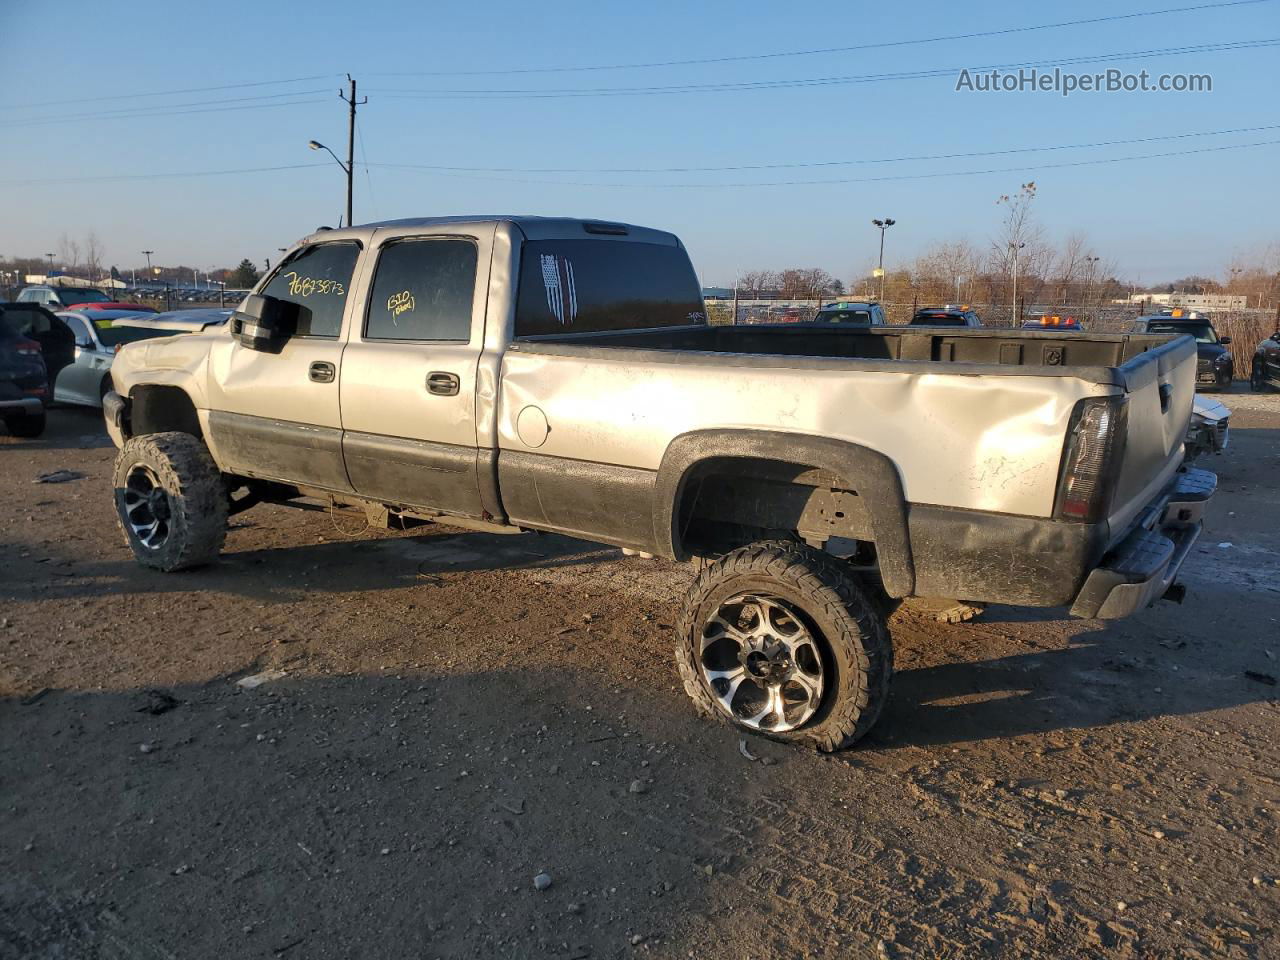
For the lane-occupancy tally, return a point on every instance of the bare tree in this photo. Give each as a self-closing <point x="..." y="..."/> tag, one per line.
<point x="69" y="253"/>
<point x="93" y="255"/>
<point x="805" y="283"/>
<point x="753" y="283"/>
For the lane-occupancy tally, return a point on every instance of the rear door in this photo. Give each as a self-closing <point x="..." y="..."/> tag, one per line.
<point x="409" y="370"/>
<point x="275" y="414"/>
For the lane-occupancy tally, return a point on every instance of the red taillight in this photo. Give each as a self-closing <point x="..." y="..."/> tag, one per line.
<point x="1091" y="459"/>
<point x="28" y="348"/>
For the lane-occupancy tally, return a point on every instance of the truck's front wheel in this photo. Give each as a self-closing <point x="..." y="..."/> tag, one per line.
<point x="171" y="501"/>
<point x="777" y="638"/>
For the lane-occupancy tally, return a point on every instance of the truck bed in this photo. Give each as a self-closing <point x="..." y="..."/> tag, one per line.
<point x="1090" y="356"/>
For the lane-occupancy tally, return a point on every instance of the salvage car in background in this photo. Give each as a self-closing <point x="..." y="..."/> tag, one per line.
<point x="864" y="312"/>
<point x="24" y="382"/>
<point x="949" y="316"/>
<point x="1265" y="370"/>
<point x="1207" y="432"/>
<point x="87" y="379"/>
<point x="1214" y="366"/>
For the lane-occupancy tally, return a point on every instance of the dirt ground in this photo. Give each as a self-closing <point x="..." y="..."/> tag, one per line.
<point x="459" y="712"/>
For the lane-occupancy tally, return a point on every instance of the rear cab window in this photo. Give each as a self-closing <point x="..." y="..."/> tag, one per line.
<point x="317" y="280"/>
<point x="597" y="285"/>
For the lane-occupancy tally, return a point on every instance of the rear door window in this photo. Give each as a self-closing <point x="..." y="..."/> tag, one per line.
<point x="317" y="279"/>
<point x="423" y="290"/>
<point x="588" y="286"/>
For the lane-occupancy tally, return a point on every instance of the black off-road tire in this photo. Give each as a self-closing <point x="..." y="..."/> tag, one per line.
<point x="25" y="425"/>
<point x="856" y="648"/>
<point x="196" y="495"/>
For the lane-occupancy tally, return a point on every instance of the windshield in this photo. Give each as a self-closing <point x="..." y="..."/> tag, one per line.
<point x="1203" y="332"/>
<point x="73" y="295"/>
<point x="115" y="336"/>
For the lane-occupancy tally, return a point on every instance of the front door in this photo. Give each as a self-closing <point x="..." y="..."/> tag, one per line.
<point x="275" y="414"/>
<point x="409" y="374"/>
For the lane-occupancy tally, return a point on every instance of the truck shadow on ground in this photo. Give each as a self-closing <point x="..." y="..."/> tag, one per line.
<point x="70" y="427"/>
<point x="1101" y="679"/>
<point x="291" y="573"/>
<point x="375" y="816"/>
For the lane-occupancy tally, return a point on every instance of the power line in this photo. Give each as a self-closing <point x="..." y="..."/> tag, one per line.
<point x="146" y="114"/>
<point x="834" y="163"/>
<point x="168" y="93"/>
<point x="559" y="93"/>
<point x="881" y="45"/>
<point x="162" y="176"/>
<point x="160" y="109"/>
<point x="884" y="179"/>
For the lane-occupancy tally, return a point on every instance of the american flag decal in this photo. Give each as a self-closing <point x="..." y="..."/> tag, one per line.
<point x="562" y="295"/>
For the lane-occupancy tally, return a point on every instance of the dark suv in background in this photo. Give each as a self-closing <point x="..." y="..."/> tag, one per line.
<point x="1213" y="371"/>
<point x="24" y="382"/>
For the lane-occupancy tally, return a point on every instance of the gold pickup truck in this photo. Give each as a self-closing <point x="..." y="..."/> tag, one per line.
<point x="523" y="373"/>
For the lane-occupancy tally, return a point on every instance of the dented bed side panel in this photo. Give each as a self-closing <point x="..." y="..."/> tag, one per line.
<point x="990" y="443"/>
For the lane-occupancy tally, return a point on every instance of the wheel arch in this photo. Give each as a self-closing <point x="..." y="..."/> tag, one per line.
<point x="869" y="474"/>
<point x="162" y="408"/>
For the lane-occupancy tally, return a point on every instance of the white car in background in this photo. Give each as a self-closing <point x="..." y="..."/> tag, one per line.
<point x="1207" y="431"/>
<point x="98" y="335"/>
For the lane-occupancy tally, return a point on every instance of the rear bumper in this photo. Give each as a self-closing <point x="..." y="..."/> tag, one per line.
<point x="28" y="405"/>
<point x="1144" y="565"/>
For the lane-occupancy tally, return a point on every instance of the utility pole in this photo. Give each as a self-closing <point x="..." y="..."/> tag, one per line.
<point x="147" y="254"/>
<point x="351" y="141"/>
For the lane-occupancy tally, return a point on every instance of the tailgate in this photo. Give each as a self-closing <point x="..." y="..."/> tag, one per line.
<point x="1160" y="385"/>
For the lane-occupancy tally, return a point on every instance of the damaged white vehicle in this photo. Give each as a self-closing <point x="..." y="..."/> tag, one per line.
<point x="1207" y="431"/>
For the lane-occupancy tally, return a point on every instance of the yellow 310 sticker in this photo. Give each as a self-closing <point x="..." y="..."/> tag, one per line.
<point x="401" y="302"/>
<point x="300" y="286"/>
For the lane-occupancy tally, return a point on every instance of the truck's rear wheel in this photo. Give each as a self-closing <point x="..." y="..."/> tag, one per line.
<point x="170" y="500"/>
<point x="777" y="638"/>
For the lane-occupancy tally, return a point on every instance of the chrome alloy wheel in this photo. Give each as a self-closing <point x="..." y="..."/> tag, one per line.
<point x="146" y="507"/>
<point x="762" y="664"/>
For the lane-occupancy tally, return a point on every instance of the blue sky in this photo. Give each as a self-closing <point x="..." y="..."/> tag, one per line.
<point x="1157" y="219"/>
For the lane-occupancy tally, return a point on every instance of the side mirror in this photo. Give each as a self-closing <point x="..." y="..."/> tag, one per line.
<point x="262" y="322"/>
<point x="1224" y="340"/>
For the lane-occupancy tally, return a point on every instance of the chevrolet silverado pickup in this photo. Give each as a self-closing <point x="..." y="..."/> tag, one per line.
<point x="536" y="374"/>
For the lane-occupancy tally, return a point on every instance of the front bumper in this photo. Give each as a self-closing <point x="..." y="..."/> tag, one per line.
<point x="1213" y="376"/>
<point x="1144" y="565"/>
<point x="115" y="411"/>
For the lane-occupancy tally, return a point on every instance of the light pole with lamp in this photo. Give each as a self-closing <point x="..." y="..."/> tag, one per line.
<point x="50" y="272"/>
<point x="1015" y="247"/>
<point x="884" y="225"/>
<point x="1088" y="288"/>
<point x="346" y="168"/>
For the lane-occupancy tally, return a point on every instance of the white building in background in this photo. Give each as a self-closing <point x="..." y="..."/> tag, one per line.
<point x="1192" y="301"/>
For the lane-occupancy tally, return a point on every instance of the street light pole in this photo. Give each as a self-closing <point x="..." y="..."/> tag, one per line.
<point x="1015" y="247"/>
<point x="50" y="256"/>
<point x="884" y="225"/>
<point x="1088" y="290"/>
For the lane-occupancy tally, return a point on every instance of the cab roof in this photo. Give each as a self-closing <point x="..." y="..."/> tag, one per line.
<point x="532" y="227"/>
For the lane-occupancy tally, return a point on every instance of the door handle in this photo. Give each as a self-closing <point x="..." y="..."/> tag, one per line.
<point x="1166" y="395"/>
<point x="442" y="384"/>
<point x="322" y="371"/>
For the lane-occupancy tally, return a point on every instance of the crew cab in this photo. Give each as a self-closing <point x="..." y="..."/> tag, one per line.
<point x="1215" y="364"/>
<point x="532" y="374"/>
